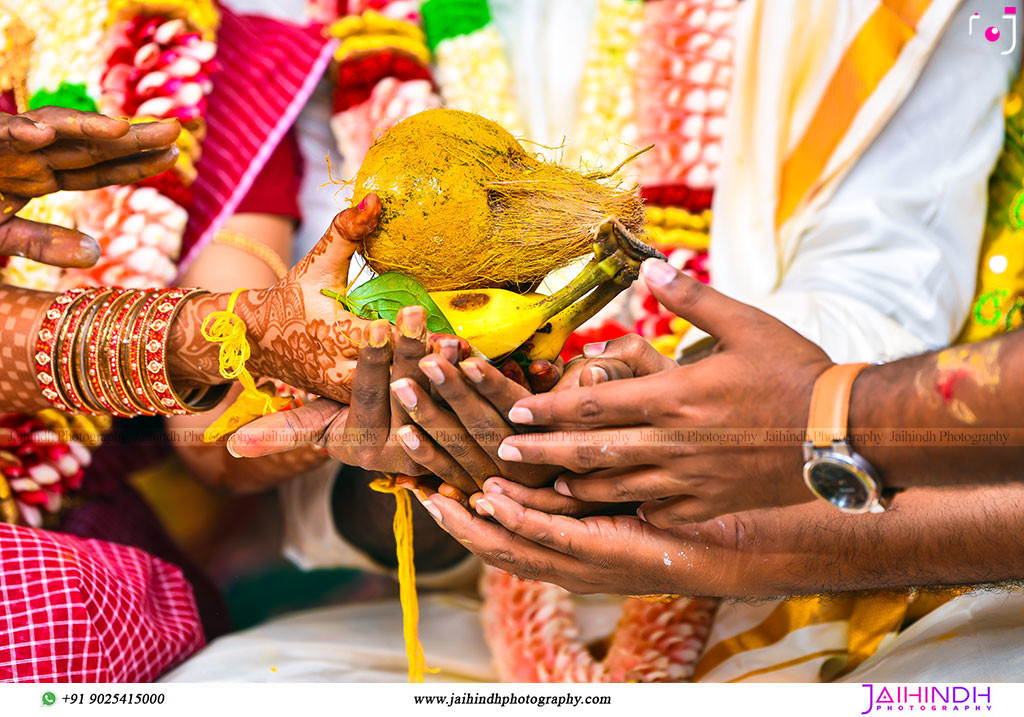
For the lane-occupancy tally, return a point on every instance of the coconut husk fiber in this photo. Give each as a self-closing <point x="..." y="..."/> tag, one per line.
<point x="465" y="206"/>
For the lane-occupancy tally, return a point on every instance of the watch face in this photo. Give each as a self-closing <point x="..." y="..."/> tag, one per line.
<point x="841" y="483"/>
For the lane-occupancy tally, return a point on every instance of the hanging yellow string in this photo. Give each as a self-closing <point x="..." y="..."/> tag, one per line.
<point x="406" y="576"/>
<point x="228" y="329"/>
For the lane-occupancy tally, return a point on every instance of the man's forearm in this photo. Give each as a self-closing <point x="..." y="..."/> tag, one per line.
<point x="930" y="537"/>
<point x="947" y="417"/>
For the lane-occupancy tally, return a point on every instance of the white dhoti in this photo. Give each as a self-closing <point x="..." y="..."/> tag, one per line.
<point x="975" y="638"/>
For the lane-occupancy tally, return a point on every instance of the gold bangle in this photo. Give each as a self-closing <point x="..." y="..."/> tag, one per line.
<point x="256" y="248"/>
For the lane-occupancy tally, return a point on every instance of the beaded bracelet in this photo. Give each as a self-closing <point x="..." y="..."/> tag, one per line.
<point x="252" y="246"/>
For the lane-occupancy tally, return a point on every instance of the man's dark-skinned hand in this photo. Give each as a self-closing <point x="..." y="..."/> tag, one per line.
<point x="53" y="148"/>
<point x="633" y="442"/>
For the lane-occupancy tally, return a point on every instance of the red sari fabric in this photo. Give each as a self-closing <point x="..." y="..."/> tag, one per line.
<point x="268" y="70"/>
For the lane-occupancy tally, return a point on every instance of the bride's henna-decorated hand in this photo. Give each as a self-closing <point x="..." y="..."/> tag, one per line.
<point x="297" y="334"/>
<point x="363" y="434"/>
<point x="54" y="148"/>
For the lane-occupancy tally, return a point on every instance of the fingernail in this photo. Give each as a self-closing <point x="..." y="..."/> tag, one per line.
<point x="449" y="348"/>
<point x="231" y="448"/>
<point x="404" y="392"/>
<point x="562" y="488"/>
<point x="492" y="487"/>
<point x="595" y="349"/>
<point x="40" y="126"/>
<point x="484" y="506"/>
<point x="450" y="491"/>
<point x="472" y="371"/>
<point x="362" y="204"/>
<point x="379" y="333"/>
<point x="409" y="438"/>
<point x="658" y="272"/>
<point x="509" y="453"/>
<point x="433" y="371"/>
<point x="598" y="374"/>
<point x="640" y="514"/>
<point x="518" y="414"/>
<point x="410" y="322"/>
<point x="434" y="512"/>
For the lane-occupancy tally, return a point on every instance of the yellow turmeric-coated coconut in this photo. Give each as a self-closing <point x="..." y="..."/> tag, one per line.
<point x="465" y="206"/>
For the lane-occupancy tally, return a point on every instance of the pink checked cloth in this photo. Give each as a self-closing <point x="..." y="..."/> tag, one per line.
<point x="82" y="610"/>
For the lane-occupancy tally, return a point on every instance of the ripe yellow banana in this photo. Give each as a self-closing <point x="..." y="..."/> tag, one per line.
<point x="496" y="322"/>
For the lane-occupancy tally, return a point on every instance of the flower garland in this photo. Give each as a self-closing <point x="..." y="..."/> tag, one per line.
<point x="675" y="98"/>
<point x="382" y="74"/>
<point x="532" y="630"/>
<point x="145" y="60"/>
<point x="473" y="72"/>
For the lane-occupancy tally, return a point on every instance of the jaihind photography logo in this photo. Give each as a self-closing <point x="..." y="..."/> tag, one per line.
<point x="922" y="698"/>
<point x="993" y="33"/>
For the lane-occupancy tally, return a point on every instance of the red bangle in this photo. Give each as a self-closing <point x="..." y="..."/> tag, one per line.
<point x="155" y="347"/>
<point x="117" y="351"/>
<point x="46" y="343"/>
<point x="67" y="337"/>
<point x="137" y="383"/>
<point x="100" y="385"/>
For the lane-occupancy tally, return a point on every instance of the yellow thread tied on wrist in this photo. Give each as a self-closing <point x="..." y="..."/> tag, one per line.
<point x="406" y="577"/>
<point x="228" y="329"/>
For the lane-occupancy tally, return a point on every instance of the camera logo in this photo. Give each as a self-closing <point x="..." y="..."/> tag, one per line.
<point x="993" y="33"/>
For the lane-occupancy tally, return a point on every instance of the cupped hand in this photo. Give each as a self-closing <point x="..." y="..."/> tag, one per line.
<point x="363" y="434"/>
<point x="465" y="436"/>
<point x="618" y="555"/>
<point x="54" y="148"/>
<point x="688" y="442"/>
<point x="462" y="440"/>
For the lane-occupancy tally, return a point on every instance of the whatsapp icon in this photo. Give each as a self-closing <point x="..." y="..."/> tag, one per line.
<point x="49" y="698"/>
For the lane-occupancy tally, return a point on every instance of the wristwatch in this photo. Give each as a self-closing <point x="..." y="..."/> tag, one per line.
<point x="833" y="470"/>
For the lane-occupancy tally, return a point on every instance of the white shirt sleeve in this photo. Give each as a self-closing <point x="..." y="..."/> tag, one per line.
<point x="887" y="267"/>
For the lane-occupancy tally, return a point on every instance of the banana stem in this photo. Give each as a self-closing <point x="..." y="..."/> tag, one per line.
<point x="593" y="274"/>
<point x="584" y="309"/>
<point x="547" y="345"/>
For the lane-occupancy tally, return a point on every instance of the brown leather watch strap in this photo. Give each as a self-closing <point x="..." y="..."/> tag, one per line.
<point x="828" y="418"/>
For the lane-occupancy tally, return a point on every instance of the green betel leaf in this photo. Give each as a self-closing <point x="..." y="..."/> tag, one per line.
<point x="384" y="296"/>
